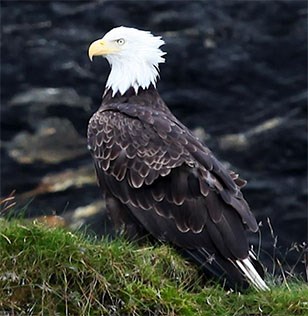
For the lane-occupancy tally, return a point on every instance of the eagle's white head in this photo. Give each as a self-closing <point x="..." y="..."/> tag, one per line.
<point x="133" y="55"/>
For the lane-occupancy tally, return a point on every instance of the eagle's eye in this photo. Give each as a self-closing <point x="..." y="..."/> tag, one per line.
<point x="121" y="41"/>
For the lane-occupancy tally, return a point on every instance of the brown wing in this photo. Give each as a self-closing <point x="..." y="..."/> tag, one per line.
<point x="169" y="181"/>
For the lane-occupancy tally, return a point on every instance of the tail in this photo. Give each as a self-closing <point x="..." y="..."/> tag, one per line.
<point x="249" y="271"/>
<point x="237" y="275"/>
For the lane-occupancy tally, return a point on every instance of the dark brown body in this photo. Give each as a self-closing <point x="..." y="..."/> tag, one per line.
<point x="157" y="178"/>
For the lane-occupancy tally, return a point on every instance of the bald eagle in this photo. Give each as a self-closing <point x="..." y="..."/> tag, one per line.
<point x="157" y="178"/>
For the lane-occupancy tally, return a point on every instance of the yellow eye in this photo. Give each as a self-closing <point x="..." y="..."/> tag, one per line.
<point x="121" y="41"/>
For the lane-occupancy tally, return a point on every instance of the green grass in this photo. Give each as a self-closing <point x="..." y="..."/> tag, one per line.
<point x="46" y="271"/>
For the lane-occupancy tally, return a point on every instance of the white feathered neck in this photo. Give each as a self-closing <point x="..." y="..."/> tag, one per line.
<point x="136" y="63"/>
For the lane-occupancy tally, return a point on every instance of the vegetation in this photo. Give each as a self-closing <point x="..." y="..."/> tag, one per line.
<point x="51" y="271"/>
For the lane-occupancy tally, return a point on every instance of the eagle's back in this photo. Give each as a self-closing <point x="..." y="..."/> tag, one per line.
<point x="158" y="178"/>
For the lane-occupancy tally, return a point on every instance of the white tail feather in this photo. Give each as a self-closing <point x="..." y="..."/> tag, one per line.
<point x="252" y="275"/>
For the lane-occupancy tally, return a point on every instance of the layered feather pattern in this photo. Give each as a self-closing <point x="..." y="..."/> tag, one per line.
<point x="164" y="180"/>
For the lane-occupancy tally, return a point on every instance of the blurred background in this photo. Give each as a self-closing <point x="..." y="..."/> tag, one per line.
<point x="235" y="73"/>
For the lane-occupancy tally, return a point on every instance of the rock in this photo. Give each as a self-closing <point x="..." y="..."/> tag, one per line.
<point x="44" y="97"/>
<point x="54" y="141"/>
<point x="246" y="140"/>
<point x="82" y="216"/>
<point x="63" y="180"/>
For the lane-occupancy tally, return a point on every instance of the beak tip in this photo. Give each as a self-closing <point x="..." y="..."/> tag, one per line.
<point x="90" y="54"/>
<point x="98" y="48"/>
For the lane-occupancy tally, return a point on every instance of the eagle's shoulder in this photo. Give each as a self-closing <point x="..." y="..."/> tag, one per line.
<point x="129" y="140"/>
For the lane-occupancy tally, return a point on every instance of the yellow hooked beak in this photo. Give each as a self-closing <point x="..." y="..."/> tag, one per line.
<point x="100" y="47"/>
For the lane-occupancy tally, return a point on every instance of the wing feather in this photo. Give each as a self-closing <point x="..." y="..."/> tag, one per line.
<point x="170" y="182"/>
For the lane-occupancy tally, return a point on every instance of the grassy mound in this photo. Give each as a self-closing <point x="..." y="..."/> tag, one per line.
<point x="55" y="272"/>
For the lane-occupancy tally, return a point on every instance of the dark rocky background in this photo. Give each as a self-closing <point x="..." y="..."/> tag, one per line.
<point x="236" y="73"/>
